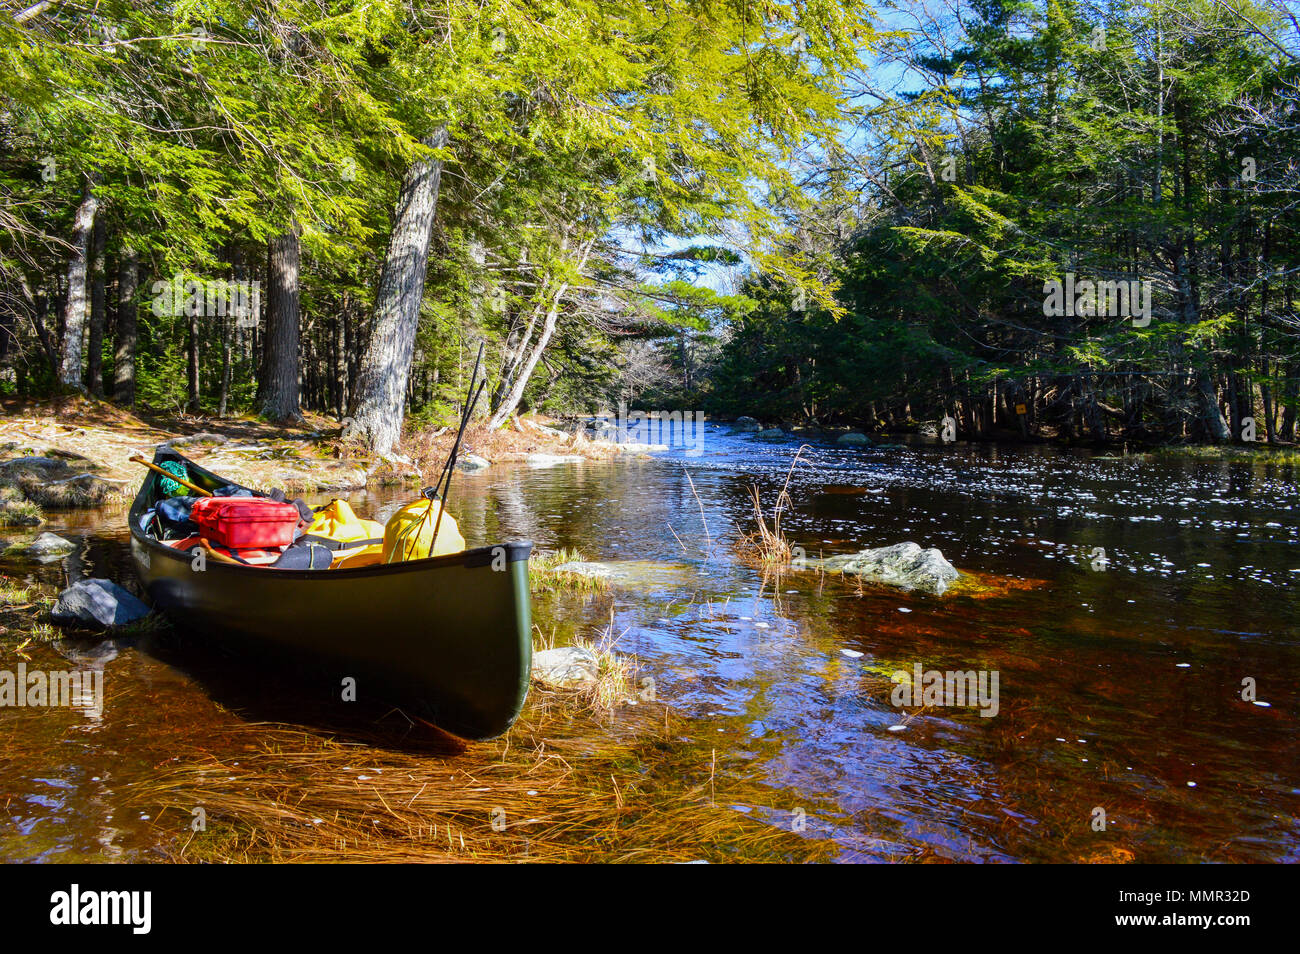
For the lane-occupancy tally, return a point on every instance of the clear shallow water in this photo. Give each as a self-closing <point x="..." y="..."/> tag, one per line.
<point x="1119" y="682"/>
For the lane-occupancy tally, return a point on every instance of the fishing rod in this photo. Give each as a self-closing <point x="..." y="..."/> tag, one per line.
<point x="432" y="492"/>
<point x="443" y="486"/>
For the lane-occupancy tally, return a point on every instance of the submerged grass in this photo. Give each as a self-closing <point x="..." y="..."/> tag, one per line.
<point x="604" y="773"/>
<point x="549" y="791"/>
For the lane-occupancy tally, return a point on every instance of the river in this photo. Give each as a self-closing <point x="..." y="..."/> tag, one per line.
<point x="1130" y="600"/>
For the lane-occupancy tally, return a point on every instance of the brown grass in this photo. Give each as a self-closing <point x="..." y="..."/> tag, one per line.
<point x="767" y="548"/>
<point x="545" y="793"/>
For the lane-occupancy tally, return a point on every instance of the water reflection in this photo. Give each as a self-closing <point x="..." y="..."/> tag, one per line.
<point x="1148" y="590"/>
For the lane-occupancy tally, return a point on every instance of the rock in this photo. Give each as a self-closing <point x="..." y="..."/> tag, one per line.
<point x="550" y="460"/>
<point x="634" y="448"/>
<point x="472" y="462"/>
<point x="770" y="433"/>
<point x="904" y="565"/>
<point x="544" y="429"/>
<point x="39" y="467"/>
<point x="853" y="439"/>
<point x="746" y="425"/>
<point x="203" y="438"/>
<point x="54" y="483"/>
<point x="343" y="477"/>
<point x="48" y="546"/>
<point x="100" y="603"/>
<point x="93" y="486"/>
<point x="585" y="569"/>
<point x="569" y="667"/>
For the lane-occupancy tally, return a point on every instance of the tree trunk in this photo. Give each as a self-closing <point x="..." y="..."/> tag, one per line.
<point x="522" y="372"/>
<point x="77" y="302"/>
<point x="95" y="360"/>
<point x="39" y="321"/>
<point x="192" y="353"/>
<point x="227" y="338"/>
<point x="1216" y="428"/>
<point x="128" y="277"/>
<point x="277" y="391"/>
<point x="386" y="367"/>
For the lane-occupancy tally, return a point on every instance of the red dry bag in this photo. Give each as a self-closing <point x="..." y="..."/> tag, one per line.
<point x="238" y="522"/>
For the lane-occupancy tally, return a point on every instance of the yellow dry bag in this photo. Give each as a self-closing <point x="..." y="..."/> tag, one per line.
<point x="410" y="531"/>
<point x="349" y="536"/>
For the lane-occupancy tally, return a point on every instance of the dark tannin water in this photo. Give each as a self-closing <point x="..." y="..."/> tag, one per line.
<point x="1128" y="603"/>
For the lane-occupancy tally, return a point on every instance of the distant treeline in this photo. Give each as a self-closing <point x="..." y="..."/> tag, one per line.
<point x="1094" y="234"/>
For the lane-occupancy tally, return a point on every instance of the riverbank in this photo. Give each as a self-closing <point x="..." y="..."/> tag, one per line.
<point x="89" y="443"/>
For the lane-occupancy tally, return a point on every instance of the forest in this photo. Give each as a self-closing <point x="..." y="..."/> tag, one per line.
<point x="1060" y="219"/>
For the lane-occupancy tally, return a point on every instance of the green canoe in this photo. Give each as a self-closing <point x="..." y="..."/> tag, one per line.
<point x="447" y="639"/>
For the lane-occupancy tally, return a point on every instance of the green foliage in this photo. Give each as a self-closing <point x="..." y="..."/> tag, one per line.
<point x="1053" y="139"/>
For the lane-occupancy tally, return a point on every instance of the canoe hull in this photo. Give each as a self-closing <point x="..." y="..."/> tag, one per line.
<point x="447" y="639"/>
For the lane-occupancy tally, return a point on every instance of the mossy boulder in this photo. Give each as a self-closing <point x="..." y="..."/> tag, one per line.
<point x="904" y="565"/>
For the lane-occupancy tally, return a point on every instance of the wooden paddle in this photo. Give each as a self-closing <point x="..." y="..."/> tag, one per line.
<point x="166" y="473"/>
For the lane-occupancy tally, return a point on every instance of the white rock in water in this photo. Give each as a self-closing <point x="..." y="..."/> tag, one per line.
<point x="550" y="460"/>
<point x="853" y="439"/>
<point x="567" y="667"/>
<point x="634" y="448"/>
<point x="905" y="565"/>
<point x="472" y="462"/>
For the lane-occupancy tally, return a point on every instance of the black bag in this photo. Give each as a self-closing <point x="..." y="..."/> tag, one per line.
<point x="171" y="519"/>
<point x="304" y="555"/>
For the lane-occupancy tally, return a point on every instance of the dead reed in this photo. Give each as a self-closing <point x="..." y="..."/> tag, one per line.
<point x="767" y="548"/>
<point x="552" y="790"/>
